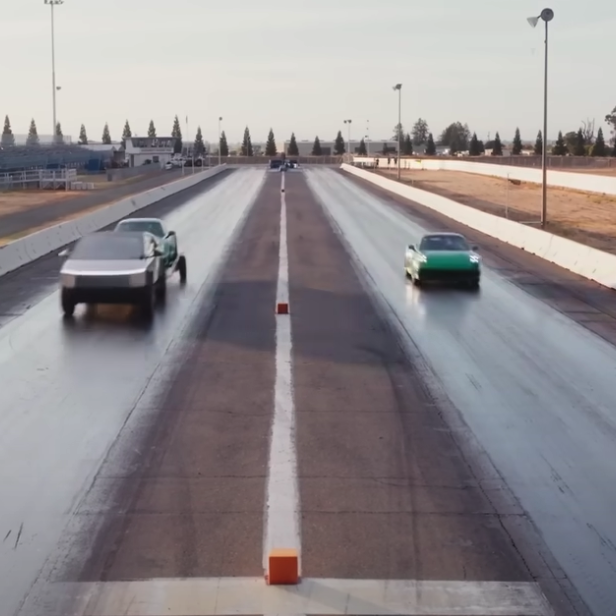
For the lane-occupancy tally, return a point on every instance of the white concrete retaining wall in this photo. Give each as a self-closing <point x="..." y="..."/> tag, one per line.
<point x="578" y="258"/>
<point x="33" y="246"/>
<point x="563" y="179"/>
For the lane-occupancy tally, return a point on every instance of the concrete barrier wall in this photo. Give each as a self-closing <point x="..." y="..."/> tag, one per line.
<point x="22" y="251"/>
<point x="578" y="258"/>
<point x="113" y="175"/>
<point x="587" y="182"/>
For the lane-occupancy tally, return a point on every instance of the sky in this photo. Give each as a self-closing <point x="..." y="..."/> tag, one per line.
<point x="306" y="65"/>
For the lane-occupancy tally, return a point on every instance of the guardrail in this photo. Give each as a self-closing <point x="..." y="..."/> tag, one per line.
<point x="586" y="182"/>
<point x="36" y="245"/>
<point x="52" y="179"/>
<point x="578" y="258"/>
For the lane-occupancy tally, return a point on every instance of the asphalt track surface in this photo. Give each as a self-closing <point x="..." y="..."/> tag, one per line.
<point x="441" y="435"/>
<point x="19" y="222"/>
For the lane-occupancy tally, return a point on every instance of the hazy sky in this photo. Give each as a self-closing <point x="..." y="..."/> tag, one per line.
<point x="305" y="65"/>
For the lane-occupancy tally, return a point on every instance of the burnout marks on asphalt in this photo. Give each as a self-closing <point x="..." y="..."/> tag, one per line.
<point x="385" y="490"/>
<point x="194" y="506"/>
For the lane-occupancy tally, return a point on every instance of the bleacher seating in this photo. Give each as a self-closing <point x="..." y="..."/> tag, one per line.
<point x="46" y="157"/>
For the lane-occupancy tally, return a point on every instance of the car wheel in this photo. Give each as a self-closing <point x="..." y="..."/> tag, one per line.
<point x="474" y="284"/>
<point x="417" y="282"/>
<point x="161" y="288"/>
<point x="68" y="304"/>
<point x="148" y="302"/>
<point x="182" y="268"/>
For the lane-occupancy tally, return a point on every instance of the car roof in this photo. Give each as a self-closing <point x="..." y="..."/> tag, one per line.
<point x="441" y="234"/>
<point x="141" y="220"/>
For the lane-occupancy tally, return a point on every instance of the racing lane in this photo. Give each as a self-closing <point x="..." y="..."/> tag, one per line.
<point x="535" y="388"/>
<point x="68" y="389"/>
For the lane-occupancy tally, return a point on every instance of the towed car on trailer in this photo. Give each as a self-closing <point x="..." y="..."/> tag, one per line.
<point x="443" y="257"/>
<point x="112" y="267"/>
<point x="173" y="259"/>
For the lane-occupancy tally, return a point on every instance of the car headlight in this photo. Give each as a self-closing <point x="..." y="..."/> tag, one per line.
<point x="422" y="258"/>
<point x="68" y="281"/>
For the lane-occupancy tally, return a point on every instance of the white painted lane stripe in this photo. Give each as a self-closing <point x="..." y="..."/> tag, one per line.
<point x="247" y="596"/>
<point x="282" y="529"/>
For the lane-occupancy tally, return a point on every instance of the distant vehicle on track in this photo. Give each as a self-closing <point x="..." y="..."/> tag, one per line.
<point x="174" y="261"/>
<point x="276" y="163"/>
<point x="111" y="267"/>
<point x="443" y="257"/>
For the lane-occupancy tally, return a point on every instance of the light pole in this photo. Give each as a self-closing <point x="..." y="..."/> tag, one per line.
<point x="546" y="15"/>
<point x="53" y="3"/>
<point x="219" y="141"/>
<point x="348" y="135"/>
<point x="367" y="137"/>
<point x="398" y="87"/>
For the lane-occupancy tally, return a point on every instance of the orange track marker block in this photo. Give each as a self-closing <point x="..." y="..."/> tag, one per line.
<point x="282" y="308"/>
<point x="283" y="566"/>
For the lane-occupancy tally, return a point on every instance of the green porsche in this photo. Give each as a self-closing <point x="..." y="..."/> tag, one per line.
<point x="443" y="257"/>
<point x="172" y="259"/>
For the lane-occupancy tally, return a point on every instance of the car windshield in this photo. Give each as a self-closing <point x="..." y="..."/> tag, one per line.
<point x="108" y="246"/>
<point x="443" y="242"/>
<point x="151" y="226"/>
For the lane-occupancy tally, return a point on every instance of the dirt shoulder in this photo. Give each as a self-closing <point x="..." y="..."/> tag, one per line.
<point x="23" y="212"/>
<point x="583" y="217"/>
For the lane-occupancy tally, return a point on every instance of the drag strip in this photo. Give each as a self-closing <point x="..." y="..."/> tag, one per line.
<point x="23" y="288"/>
<point x="535" y="388"/>
<point x="68" y="389"/>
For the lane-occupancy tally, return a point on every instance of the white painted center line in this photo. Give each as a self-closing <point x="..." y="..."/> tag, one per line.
<point x="282" y="529"/>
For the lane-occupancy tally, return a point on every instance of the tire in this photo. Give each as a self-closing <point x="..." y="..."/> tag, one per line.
<point x="147" y="303"/>
<point x="182" y="268"/>
<point x="161" y="288"/>
<point x="417" y="282"/>
<point x="68" y="305"/>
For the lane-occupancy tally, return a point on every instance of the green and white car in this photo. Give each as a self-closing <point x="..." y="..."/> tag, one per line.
<point x="443" y="257"/>
<point x="173" y="260"/>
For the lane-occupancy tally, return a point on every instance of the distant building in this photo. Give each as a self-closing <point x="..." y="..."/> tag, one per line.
<point x="149" y="151"/>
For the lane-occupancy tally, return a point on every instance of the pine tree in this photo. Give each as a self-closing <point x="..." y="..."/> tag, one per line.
<point x="316" y="147"/>
<point x="152" y="130"/>
<point x="539" y="144"/>
<point x="246" y="149"/>
<point x="176" y="133"/>
<point x="339" y="148"/>
<point x="598" y="148"/>
<point x="614" y="150"/>
<point x="420" y="132"/>
<point x="407" y="146"/>
<point x="560" y="148"/>
<point x="362" y="151"/>
<point x="430" y="146"/>
<point x="59" y="137"/>
<point x="473" y="147"/>
<point x="497" y="147"/>
<point x="517" y="143"/>
<point x="33" y="138"/>
<point x="8" y="139"/>
<point x="127" y="133"/>
<point x="223" y="145"/>
<point x="580" y="144"/>
<point x="270" y="145"/>
<point x="83" y="136"/>
<point x="199" y="145"/>
<point x="293" y="150"/>
<point x="106" y="135"/>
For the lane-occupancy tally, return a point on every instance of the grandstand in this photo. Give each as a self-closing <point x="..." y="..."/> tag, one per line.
<point x="47" y="156"/>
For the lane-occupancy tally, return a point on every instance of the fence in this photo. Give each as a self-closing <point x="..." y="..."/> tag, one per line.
<point x="43" y="179"/>
<point x="264" y="160"/>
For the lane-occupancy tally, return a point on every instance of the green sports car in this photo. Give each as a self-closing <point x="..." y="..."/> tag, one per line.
<point x="443" y="257"/>
<point x="172" y="259"/>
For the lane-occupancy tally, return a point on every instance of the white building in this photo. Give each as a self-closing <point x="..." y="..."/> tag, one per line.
<point x="149" y="150"/>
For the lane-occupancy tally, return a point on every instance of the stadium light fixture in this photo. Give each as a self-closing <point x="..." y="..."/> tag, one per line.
<point x="52" y="4"/>
<point x="546" y="16"/>
<point x="398" y="87"/>
<point x="348" y="122"/>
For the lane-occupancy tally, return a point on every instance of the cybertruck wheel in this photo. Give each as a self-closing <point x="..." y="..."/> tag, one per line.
<point x="148" y="302"/>
<point x="182" y="268"/>
<point x="68" y="304"/>
<point x="161" y="288"/>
